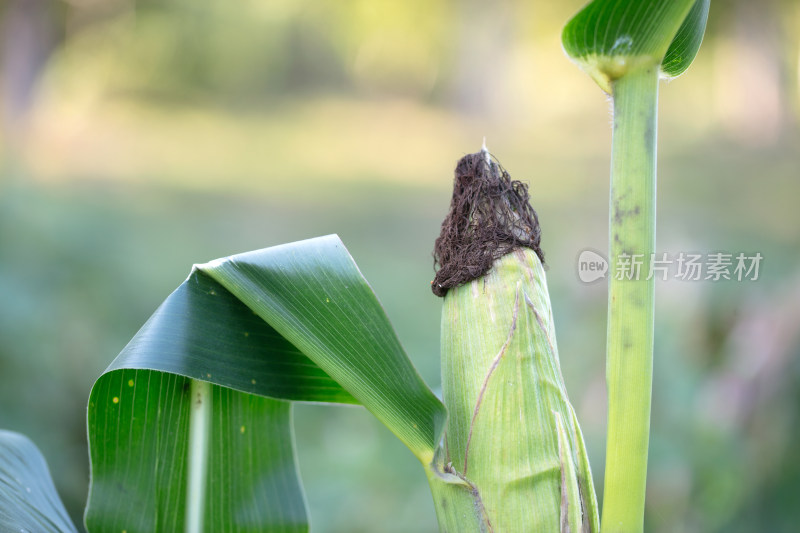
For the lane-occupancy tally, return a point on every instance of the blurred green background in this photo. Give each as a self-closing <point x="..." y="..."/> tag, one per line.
<point x="141" y="136"/>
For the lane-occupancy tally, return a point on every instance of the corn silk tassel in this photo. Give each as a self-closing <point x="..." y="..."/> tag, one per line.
<point x="513" y="458"/>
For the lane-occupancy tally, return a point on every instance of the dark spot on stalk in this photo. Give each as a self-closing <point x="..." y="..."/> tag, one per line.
<point x="490" y="216"/>
<point x="649" y="133"/>
<point x="627" y="344"/>
<point x="616" y="238"/>
<point x="621" y="214"/>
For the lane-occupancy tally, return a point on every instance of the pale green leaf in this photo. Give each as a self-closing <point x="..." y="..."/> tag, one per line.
<point x="28" y="499"/>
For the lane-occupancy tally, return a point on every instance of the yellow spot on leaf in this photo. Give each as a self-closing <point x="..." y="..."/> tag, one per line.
<point x="115" y="399"/>
<point x="241" y="429"/>
<point x="327" y="300"/>
<point x="130" y="383"/>
<point x="253" y="381"/>
<point x="246" y="333"/>
<point x="208" y="375"/>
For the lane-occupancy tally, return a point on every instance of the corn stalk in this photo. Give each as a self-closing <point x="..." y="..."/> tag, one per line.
<point x="626" y="46"/>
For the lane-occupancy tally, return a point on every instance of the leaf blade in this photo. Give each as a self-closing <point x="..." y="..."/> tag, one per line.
<point x="201" y="320"/>
<point x="608" y="38"/>
<point x="207" y="330"/>
<point x="28" y="498"/>
<point x="687" y="41"/>
<point x="140" y="471"/>
<point x="311" y="292"/>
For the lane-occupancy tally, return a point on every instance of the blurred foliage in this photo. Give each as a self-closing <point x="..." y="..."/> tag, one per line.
<point x="140" y="137"/>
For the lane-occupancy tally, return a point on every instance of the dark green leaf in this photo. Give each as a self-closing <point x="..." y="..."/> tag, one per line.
<point x="294" y="322"/>
<point x="204" y="332"/>
<point x="28" y="499"/>
<point x="313" y="294"/>
<point x="687" y="41"/>
<point x="608" y="38"/>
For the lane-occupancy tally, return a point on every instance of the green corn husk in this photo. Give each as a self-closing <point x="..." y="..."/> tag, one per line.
<point x="513" y="457"/>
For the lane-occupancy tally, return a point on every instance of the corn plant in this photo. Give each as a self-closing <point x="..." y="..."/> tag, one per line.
<point x="190" y="427"/>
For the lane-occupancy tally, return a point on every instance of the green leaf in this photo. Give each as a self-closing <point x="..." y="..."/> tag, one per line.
<point x="609" y="38"/>
<point x="313" y="294"/>
<point x="139" y="430"/>
<point x="190" y="427"/>
<point x="687" y="41"/>
<point x="202" y="331"/>
<point x="28" y="499"/>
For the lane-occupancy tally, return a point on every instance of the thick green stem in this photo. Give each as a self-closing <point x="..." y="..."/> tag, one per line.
<point x="629" y="361"/>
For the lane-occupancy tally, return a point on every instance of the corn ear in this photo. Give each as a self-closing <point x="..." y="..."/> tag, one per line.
<point x="513" y="457"/>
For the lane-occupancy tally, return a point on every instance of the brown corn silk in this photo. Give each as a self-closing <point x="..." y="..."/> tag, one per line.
<point x="490" y="215"/>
